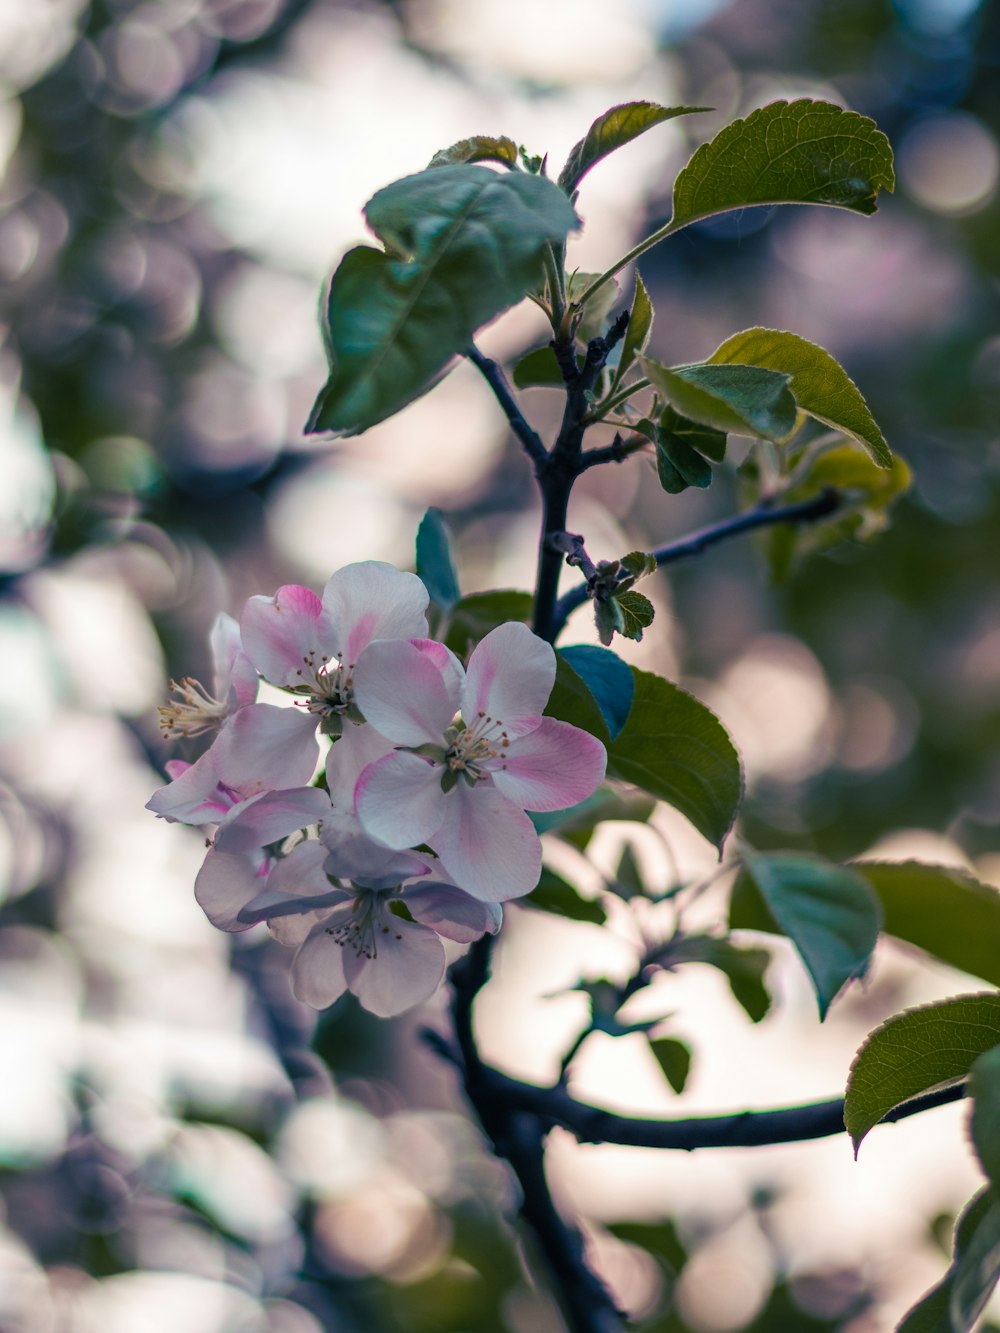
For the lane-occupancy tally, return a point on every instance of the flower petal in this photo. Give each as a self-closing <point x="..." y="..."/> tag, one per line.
<point x="297" y="895"/>
<point x="348" y="758"/>
<point x="318" y="967"/>
<point x="510" y="677"/>
<point x="371" y="600"/>
<point x="235" y="676"/>
<point x="406" y="970"/>
<point x="555" y="766"/>
<point x="270" y="817"/>
<point x="266" y="748"/>
<point x="487" y="845"/>
<point x="226" y="883"/>
<point x="408" y="690"/>
<point x="193" y="795"/>
<point x="452" y="913"/>
<point x="400" y="801"/>
<point x="283" y="635"/>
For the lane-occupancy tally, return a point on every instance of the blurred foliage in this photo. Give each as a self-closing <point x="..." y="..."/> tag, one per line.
<point x="139" y="442"/>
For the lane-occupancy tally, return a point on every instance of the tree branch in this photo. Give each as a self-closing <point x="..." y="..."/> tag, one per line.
<point x="763" y="516"/>
<point x="517" y="1133"/>
<point x="493" y="374"/>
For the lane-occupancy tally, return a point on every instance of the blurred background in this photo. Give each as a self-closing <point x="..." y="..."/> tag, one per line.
<point x="182" y="1146"/>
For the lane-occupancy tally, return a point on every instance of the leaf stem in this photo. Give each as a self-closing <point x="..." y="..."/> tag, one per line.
<point x="615" y="400"/>
<point x="493" y="374"/>
<point x="764" y="515"/>
<point x="655" y="238"/>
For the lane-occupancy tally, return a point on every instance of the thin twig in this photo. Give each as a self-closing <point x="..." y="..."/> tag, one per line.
<point x="805" y="511"/>
<point x="493" y="374"/>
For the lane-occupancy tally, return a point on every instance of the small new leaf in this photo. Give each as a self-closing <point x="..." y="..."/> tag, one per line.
<point x="636" y="614"/>
<point x="616" y="127"/>
<point x="802" y="152"/>
<point x="674" y="1058"/>
<point x="478" y="148"/>
<point x="640" y="324"/>
<point x="435" y="565"/>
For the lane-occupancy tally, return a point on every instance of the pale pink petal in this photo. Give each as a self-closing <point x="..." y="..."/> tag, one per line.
<point x="407" y="968"/>
<point x="408" y="690"/>
<point x="510" y="677"/>
<point x="371" y="600"/>
<point x="452" y="913"/>
<point x="355" y="856"/>
<point x="318" y="967"/>
<point x="349" y="757"/>
<point x="487" y="845"/>
<point x="400" y="801"/>
<point x="270" y="817"/>
<point x="265" y="748"/>
<point x="282" y="635"/>
<point x="193" y="796"/>
<point x="555" y="766"/>
<point x="296" y="896"/>
<point x="226" y="883"/>
<point x="235" y="676"/>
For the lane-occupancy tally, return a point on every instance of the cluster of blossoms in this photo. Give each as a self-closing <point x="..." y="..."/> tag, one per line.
<point x="419" y="831"/>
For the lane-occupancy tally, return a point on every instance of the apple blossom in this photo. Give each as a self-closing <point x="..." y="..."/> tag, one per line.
<point x="309" y="645"/>
<point x="234" y="685"/>
<point x="473" y="754"/>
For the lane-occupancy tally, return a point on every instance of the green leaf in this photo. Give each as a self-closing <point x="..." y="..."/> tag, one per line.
<point x="640" y="324"/>
<point x="617" y="127"/>
<point x="743" y="968"/>
<point x="576" y="824"/>
<point x="597" y="311"/>
<point x="474" y="616"/>
<point x="828" y="912"/>
<point x="677" y="750"/>
<point x="435" y="565"/>
<point x="463" y="243"/>
<point x="478" y="148"/>
<point x="608" y="678"/>
<point x="738" y="400"/>
<point x="801" y="152"/>
<point x="820" y="384"/>
<point x="977" y="1270"/>
<point x="571" y="701"/>
<point x="636" y="614"/>
<point x="674" y="1058"/>
<point x="706" y="439"/>
<point x="941" y="910"/>
<point x="679" y="463"/>
<point x="930" y="1314"/>
<point x="558" y="897"/>
<point x="984" y="1088"/>
<point x="538" y="369"/>
<point x="915" y="1051"/>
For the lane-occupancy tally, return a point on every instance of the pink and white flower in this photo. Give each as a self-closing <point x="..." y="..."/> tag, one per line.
<point x="474" y="753"/>
<point x="234" y="685"/>
<point x="309" y="645"/>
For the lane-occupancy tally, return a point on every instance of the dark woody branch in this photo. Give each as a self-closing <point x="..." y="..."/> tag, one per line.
<point x="497" y="380"/>
<point x="763" y="516"/>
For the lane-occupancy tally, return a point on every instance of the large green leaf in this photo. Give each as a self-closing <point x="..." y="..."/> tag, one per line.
<point x="617" y="127"/>
<point x="608" y="678"/>
<point x="462" y="243"/>
<point x="828" y="912"/>
<point x="984" y="1089"/>
<point x="916" y="1051"/>
<point x="572" y="701"/>
<point x="474" y="616"/>
<point x="941" y="910"/>
<point x="435" y="565"/>
<point x="820" y="384"/>
<point x="801" y="152"/>
<point x="677" y="750"/>
<point x="931" y="1312"/>
<point x="742" y="400"/>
